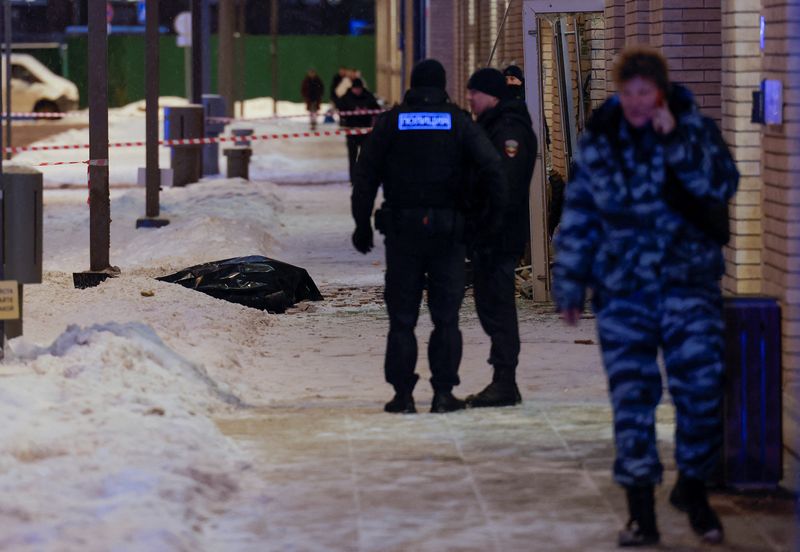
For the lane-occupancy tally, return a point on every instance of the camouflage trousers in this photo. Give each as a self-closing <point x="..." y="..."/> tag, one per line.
<point x="686" y="324"/>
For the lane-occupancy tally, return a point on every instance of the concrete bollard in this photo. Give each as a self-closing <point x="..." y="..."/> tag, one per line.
<point x="238" y="162"/>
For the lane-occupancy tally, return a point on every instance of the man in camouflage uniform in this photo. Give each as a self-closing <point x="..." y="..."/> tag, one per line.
<point x="654" y="276"/>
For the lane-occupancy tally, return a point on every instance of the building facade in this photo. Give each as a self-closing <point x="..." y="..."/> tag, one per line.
<point x="720" y="49"/>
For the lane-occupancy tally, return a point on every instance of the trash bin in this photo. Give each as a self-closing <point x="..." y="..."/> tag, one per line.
<point x="22" y="233"/>
<point x="186" y="160"/>
<point x="22" y="224"/>
<point x="215" y="113"/>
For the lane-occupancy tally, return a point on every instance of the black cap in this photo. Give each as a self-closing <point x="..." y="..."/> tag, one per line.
<point x="489" y="81"/>
<point x="357" y="83"/>
<point x="514" y="71"/>
<point x="430" y="73"/>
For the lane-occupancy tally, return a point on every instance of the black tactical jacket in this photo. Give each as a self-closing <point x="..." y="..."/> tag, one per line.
<point x="351" y="102"/>
<point x="422" y="152"/>
<point x="509" y="127"/>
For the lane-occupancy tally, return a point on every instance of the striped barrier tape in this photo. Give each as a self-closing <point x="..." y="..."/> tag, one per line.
<point x="183" y="142"/>
<point x="39" y="114"/>
<point x="299" y="115"/>
<point x="90" y="162"/>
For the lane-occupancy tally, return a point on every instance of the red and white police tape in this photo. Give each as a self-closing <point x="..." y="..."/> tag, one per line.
<point x="60" y="115"/>
<point x="185" y="142"/>
<point x="297" y="116"/>
<point x="38" y="115"/>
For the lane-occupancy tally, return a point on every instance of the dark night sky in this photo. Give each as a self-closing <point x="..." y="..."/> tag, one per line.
<point x="47" y="19"/>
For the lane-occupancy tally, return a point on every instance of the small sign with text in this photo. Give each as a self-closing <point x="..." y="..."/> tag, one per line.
<point x="9" y="300"/>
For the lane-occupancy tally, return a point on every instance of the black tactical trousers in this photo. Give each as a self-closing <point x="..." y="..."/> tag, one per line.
<point x="408" y="268"/>
<point x="354" y="143"/>
<point x="496" y="305"/>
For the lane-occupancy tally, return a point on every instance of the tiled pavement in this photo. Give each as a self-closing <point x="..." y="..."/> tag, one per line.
<point x="345" y="476"/>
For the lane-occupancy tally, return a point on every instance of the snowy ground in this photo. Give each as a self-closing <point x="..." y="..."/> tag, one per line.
<point x="144" y="416"/>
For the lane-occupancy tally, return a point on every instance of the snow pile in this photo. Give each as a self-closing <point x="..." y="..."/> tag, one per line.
<point x="212" y="220"/>
<point x="107" y="444"/>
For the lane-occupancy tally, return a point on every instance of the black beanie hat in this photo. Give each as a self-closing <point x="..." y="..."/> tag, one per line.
<point x="430" y="73"/>
<point x="514" y="71"/>
<point x="489" y="81"/>
<point x="357" y="83"/>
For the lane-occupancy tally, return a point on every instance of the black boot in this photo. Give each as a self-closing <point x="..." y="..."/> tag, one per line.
<point x="497" y="393"/>
<point x="689" y="495"/>
<point x="444" y="401"/>
<point x="403" y="400"/>
<point x="401" y="403"/>
<point x="641" y="529"/>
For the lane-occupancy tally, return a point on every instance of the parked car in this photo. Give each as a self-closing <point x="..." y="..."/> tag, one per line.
<point x="34" y="87"/>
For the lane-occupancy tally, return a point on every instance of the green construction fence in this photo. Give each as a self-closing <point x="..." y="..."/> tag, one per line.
<point x="296" y="54"/>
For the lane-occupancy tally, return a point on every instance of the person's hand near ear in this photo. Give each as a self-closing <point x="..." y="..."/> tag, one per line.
<point x="663" y="120"/>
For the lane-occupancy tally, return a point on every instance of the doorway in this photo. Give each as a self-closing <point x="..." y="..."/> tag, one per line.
<point x="564" y="50"/>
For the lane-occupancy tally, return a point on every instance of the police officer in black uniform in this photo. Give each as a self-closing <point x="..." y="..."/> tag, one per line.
<point x="357" y="98"/>
<point x="422" y="151"/>
<point x="508" y="125"/>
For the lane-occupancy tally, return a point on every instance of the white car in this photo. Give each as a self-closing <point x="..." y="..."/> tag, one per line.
<point x="34" y="87"/>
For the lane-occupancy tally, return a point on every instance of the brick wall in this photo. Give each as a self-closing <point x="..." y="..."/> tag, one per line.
<point x="512" y="36"/>
<point x="781" y="203"/>
<point x="688" y="33"/>
<point x="637" y="22"/>
<point x="443" y="37"/>
<point x="741" y="68"/>
<point x="595" y="33"/>
<point x="614" y="37"/>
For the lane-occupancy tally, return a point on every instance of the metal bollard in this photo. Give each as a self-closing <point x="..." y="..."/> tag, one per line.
<point x="22" y="232"/>
<point x="238" y="162"/>
<point x="215" y="110"/>
<point x="186" y="161"/>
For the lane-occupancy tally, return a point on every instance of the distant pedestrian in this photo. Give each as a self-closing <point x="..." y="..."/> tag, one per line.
<point x="494" y="258"/>
<point x="335" y="81"/>
<point x="312" y="89"/>
<point x="358" y="98"/>
<point x="421" y="152"/>
<point x="653" y="264"/>
<point x="345" y="83"/>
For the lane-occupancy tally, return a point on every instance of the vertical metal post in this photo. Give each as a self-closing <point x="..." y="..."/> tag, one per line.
<point x="273" y="28"/>
<point x="205" y="48"/>
<point x="579" y="74"/>
<point x="152" y="171"/>
<point x="2" y="224"/>
<point x="241" y="54"/>
<point x="538" y="199"/>
<point x="225" y="65"/>
<point x="8" y="42"/>
<point x="569" y="120"/>
<point x="197" y="51"/>
<point x="99" y="201"/>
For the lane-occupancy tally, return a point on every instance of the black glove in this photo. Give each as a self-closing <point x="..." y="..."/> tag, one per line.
<point x="362" y="239"/>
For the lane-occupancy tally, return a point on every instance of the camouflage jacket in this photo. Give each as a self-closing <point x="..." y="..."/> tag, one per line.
<point x="617" y="234"/>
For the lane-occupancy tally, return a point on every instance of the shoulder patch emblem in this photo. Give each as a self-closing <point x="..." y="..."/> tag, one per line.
<point x="511" y="148"/>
